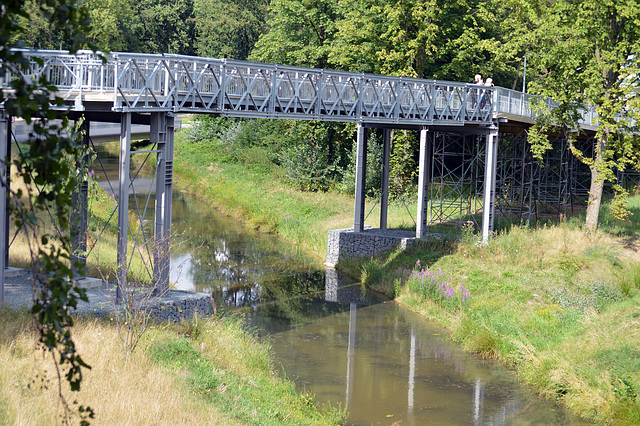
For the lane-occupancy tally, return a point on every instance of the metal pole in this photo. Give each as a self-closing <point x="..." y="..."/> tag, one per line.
<point x="384" y="202"/>
<point x="524" y="76"/>
<point x="423" y="184"/>
<point x="79" y="216"/>
<point x="489" y="184"/>
<point x="5" y="140"/>
<point x="162" y="130"/>
<point x="7" y="177"/>
<point x="123" y="203"/>
<point x="361" y="172"/>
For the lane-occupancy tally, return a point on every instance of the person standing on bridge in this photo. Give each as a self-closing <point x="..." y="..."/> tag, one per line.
<point x="486" y="94"/>
<point x="474" y="92"/>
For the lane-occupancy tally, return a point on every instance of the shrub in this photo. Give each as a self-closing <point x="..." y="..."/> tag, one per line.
<point x="438" y="286"/>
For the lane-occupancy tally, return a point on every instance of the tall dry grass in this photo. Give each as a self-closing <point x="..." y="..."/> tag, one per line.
<point x="121" y="390"/>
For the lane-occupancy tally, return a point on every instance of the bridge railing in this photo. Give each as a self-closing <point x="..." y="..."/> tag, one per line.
<point x="519" y="104"/>
<point x="83" y="71"/>
<point x="139" y="82"/>
<point x="145" y="82"/>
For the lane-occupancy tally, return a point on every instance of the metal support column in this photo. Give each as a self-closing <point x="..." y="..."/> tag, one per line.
<point x="162" y="129"/>
<point x="5" y="140"/>
<point x="361" y="177"/>
<point x="488" y="208"/>
<point x="384" y="198"/>
<point x="123" y="203"/>
<point x="424" y="173"/>
<point x="79" y="216"/>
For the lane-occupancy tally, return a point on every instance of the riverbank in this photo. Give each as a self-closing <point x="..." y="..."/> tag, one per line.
<point x="204" y="371"/>
<point x="208" y="370"/>
<point x="560" y="307"/>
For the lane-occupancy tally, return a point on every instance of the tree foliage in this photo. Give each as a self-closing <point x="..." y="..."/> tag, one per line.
<point x="299" y="33"/>
<point x="49" y="177"/>
<point x="227" y="28"/>
<point x="585" y="53"/>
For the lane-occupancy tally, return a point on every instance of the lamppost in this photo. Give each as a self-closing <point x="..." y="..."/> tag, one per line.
<point x="524" y="77"/>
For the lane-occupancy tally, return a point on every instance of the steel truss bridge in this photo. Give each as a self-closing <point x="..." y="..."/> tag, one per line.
<point x="149" y="89"/>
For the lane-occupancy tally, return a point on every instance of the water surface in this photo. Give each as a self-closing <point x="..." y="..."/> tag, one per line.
<point x="334" y="339"/>
<point x="346" y="345"/>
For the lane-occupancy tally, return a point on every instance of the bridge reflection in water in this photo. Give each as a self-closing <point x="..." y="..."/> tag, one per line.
<point x="345" y="344"/>
<point x="387" y="365"/>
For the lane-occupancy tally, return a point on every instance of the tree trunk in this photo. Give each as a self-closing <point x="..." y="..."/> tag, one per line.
<point x="595" y="192"/>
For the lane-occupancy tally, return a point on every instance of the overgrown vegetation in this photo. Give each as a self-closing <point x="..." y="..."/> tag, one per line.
<point x="204" y="371"/>
<point x="216" y="161"/>
<point x="544" y="297"/>
<point x="552" y="302"/>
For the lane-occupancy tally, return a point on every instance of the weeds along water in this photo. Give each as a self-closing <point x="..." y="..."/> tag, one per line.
<point x="552" y="302"/>
<point x="208" y="371"/>
<point x="560" y="306"/>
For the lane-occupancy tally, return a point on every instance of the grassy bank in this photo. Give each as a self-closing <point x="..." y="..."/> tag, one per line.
<point x="252" y="189"/>
<point x="209" y="371"/>
<point x="560" y="306"/>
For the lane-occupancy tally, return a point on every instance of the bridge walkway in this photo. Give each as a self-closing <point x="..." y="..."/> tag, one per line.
<point x="149" y="89"/>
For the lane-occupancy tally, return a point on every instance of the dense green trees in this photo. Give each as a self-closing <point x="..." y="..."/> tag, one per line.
<point x="586" y="53"/>
<point x="580" y="53"/>
<point x="229" y="28"/>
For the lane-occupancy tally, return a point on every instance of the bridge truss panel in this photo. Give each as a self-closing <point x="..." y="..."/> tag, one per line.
<point x="144" y="83"/>
<point x="529" y="188"/>
<point x="457" y="177"/>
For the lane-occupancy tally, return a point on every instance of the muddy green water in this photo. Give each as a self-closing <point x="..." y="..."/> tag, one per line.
<point x="345" y="345"/>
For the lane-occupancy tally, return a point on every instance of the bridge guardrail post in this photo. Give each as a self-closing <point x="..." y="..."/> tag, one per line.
<point x="115" y="80"/>
<point x="223" y="85"/>
<point x="272" y="94"/>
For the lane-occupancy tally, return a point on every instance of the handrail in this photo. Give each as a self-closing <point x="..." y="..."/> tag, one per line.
<point x="179" y="83"/>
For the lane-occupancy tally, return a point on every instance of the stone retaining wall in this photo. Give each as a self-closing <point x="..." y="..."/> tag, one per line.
<point x="344" y="243"/>
<point x="181" y="306"/>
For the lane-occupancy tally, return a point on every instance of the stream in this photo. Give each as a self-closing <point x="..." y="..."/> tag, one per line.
<point x="345" y="345"/>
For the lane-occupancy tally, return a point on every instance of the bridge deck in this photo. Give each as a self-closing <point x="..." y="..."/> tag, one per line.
<point x="128" y="82"/>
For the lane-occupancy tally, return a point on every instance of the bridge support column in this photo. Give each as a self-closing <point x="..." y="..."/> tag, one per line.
<point x="488" y="208"/>
<point x="162" y="131"/>
<point x="361" y="173"/>
<point x="424" y="173"/>
<point x="123" y="202"/>
<point x="5" y="141"/>
<point x="79" y="216"/>
<point x="384" y="198"/>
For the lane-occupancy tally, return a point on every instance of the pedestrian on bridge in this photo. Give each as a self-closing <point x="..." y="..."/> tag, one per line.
<point x="475" y="92"/>
<point x="486" y="94"/>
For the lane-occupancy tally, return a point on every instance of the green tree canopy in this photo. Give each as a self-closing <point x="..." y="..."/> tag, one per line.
<point x="228" y="28"/>
<point x="585" y="53"/>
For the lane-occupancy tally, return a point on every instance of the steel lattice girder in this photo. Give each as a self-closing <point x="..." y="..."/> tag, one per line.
<point x="133" y="82"/>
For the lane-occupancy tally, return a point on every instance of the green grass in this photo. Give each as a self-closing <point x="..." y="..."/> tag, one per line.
<point x="253" y="399"/>
<point x="203" y="371"/>
<point x="557" y="304"/>
<point x="561" y="307"/>
<point x="249" y="187"/>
